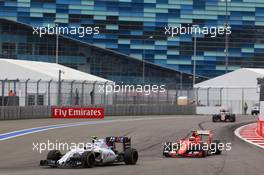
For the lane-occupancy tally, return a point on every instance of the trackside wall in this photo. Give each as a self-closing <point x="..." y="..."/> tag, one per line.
<point x="260" y="128"/>
<point x="36" y="112"/>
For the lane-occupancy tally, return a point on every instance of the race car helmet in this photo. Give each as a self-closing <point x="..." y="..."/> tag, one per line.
<point x="94" y="138"/>
<point x="191" y="138"/>
<point x="224" y="110"/>
<point x="194" y="134"/>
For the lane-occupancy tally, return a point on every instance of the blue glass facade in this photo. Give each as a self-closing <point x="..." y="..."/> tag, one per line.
<point x="126" y="26"/>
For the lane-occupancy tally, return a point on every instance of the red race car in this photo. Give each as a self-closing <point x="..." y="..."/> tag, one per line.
<point x="198" y="143"/>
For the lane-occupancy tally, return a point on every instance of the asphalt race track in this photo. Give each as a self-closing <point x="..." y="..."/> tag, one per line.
<point x="17" y="155"/>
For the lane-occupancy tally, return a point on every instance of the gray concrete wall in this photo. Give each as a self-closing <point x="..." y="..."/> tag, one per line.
<point x="35" y="112"/>
<point x="119" y="110"/>
<point x="29" y="112"/>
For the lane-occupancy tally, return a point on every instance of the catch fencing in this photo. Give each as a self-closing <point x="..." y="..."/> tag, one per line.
<point x="76" y="93"/>
<point x="236" y="99"/>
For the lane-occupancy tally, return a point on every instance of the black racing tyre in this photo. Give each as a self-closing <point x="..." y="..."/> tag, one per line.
<point x="88" y="159"/>
<point x="233" y="118"/>
<point x="215" y="147"/>
<point x="166" y="154"/>
<point x="166" y="147"/>
<point x="204" y="153"/>
<point x="214" y="120"/>
<point x="130" y="156"/>
<point x="202" y="149"/>
<point x="54" y="155"/>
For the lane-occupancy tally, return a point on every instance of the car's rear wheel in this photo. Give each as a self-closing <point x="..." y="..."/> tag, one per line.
<point x="204" y="153"/>
<point x="203" y="150"/>
<point x="130" y="156"/>
<point x="88" y="159"/>
<point x="233" y="118"/>
<point x="215" y="147"/>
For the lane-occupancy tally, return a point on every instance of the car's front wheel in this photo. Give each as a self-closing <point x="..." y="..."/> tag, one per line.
<point x="214" y="118"/>
<point x="88" y="159"/>
<point x="54" y="155"/>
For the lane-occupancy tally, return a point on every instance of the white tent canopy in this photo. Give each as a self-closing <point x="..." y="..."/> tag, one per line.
<point x="232" y="90"/>
<point x="33" y="70"/>
<point x="38" y="84"/>
<point x="241" y="78"/>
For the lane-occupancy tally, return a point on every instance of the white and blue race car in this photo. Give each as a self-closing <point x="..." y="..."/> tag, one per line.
<point x="99" y="152"/>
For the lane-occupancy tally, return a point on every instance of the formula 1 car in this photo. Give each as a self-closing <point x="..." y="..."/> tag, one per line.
<point x="224" y="116"/>
<point x="198" y="143"/>
<point x="99" y="152"/>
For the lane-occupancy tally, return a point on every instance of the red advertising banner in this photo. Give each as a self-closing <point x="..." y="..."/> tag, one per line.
<point x="65" y="112"/>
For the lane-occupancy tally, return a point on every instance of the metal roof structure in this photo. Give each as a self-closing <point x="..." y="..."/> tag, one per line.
<point x="241" y="78"/>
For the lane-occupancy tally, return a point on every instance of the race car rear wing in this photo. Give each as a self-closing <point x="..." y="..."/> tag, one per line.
<point x="126" y="141"/>
<point x="206" y="133"/>
<point x="203" y="132"/>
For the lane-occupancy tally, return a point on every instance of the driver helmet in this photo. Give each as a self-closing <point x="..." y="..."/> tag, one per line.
<point x="94" y="138"/>
<point x="192" y="138"/>
<point x="194" y="134"/>
<point x="222" y="110"/>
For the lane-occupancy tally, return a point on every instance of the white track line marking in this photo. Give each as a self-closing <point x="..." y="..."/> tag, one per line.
<point x="14" y="134"/>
